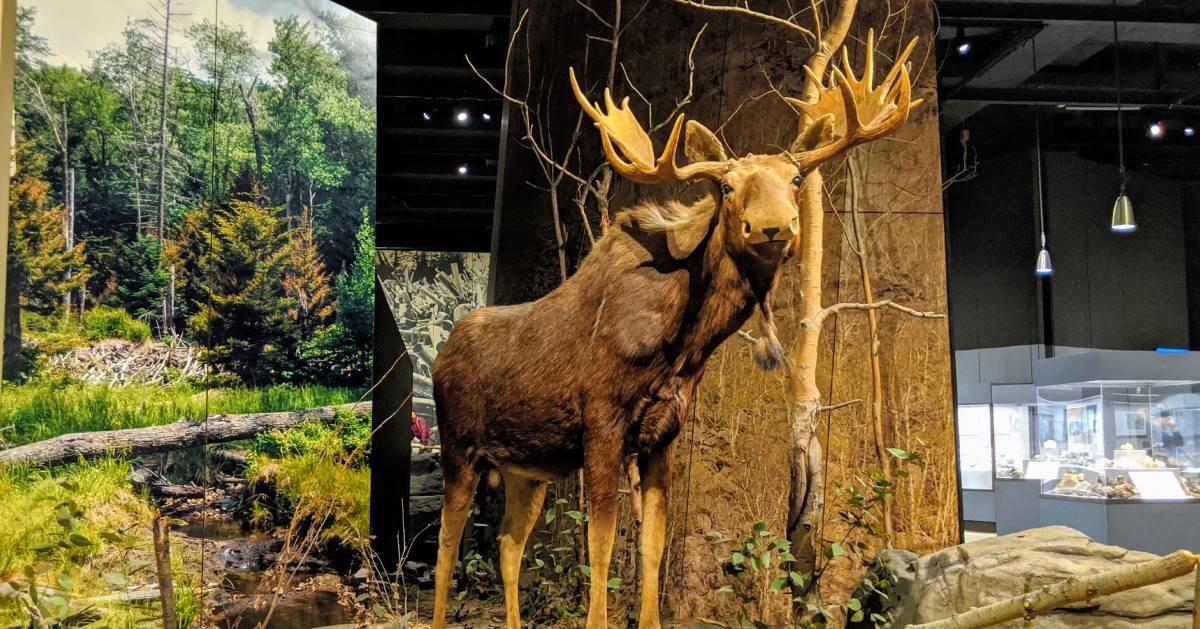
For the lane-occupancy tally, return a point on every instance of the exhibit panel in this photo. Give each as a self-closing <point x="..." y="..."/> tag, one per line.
<point x="188" y="308"/>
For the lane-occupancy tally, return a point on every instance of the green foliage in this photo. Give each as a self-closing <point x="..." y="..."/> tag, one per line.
<point x="44" y="409"/>
<point x="356" y="289"/>
<point x="103" y="322"/>
<point x="320" y="475"/>
<point x="760" y="565"/>
<point x="245" y="318"/>
<point x="141" y="279"/>
<point x="65" y="539"/>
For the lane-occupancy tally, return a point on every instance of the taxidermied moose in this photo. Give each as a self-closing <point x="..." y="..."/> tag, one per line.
<point x="605" y="366"/>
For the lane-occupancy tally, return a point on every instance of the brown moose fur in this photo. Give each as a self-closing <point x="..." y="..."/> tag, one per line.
<point x="605" y="367"/>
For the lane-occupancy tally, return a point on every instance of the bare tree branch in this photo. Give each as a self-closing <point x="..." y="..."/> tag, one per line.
<point x="885" y="303"/>
<point x="751" y="13"/>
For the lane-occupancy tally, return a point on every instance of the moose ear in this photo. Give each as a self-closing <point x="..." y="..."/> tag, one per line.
<point x="683" y="239"/>
<point x="701" y="145"/>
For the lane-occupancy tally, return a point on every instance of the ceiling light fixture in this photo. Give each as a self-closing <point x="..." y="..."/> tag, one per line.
<point x="463" y="170"/>
<point x="463" y="117"/>
<point x="1157" y="130"/>
<point x="962" y="44"/>
<point x="1189" y="132"/>
<point x="426" y="116"/>
<point x="487" y="117"/>
<point x="1043" y="267"/>
<point x="1122" y="212"/>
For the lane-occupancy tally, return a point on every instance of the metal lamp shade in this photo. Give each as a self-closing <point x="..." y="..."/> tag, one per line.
<point x="1122" y="215"/>
<point x="1043" y="268"/>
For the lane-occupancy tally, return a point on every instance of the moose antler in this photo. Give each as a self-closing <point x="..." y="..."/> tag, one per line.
<point x="852" y="110"/>
<point x="619" y="129"/>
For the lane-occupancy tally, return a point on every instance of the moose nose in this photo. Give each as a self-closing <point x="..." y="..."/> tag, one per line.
<point x="770" y="232"/>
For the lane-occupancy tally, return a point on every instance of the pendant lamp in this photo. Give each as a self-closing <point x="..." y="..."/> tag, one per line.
<point x="1043" y="268"/>
<point x="1122" y="211"/>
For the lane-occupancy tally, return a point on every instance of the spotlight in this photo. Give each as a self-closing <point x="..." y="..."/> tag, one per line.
<point x="964" y="49"/>
<point x="962" y="44"/>
<point x="463" y="117"/>
<point x="426" y="116"/>
<point x="1157" y="130"/>
<point x="1189" y="132"/>
<point x="462" y="169"/>
<point x="487" y="117"/>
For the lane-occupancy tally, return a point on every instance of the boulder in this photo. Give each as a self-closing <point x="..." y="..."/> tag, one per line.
<point x="956" y="579"/>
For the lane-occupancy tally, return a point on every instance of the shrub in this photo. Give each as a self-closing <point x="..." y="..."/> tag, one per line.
<point x="103" y="322"/>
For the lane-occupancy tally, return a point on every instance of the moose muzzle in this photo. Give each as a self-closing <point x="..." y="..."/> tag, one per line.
<point x="781" y="225"/>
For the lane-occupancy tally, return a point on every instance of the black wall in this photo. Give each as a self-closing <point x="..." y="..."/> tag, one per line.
<point x="992" y="231"/>
<point x="1109" y="291"/>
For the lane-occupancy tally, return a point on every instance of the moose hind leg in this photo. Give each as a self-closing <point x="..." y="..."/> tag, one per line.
<point x="460" y="482"/>
<point x="522" y="502"/>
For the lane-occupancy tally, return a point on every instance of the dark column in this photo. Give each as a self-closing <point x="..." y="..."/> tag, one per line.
<point x="391" y="421"/>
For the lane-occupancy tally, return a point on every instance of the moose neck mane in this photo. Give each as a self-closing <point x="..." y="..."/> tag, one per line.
<point x="724" y="291"/>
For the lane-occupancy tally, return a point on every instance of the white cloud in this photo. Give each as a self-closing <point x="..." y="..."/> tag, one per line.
<point x="74" y="29"/>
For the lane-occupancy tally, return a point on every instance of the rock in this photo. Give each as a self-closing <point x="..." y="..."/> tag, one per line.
<point x="956" y="579"/>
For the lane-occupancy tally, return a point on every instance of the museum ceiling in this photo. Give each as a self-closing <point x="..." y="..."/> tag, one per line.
<point x="990" y="82"/>
<point x="439" y="125"/>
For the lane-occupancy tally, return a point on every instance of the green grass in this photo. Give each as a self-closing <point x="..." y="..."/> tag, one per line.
<point x="103" y="322"/>
<point x="77" y="532"/>
<point x="45" y="408"/>
<point x="319" y="473"/>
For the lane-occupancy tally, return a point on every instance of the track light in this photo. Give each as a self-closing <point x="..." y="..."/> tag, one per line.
<point x="462" y="117"/>
<point x="426" y="116"/>
<point x="1189" y="132"/>
<point x="487" y="117"/>
<point x="462" y="169"/>
<point x="1156" y="131"/>
<point x="962" y="44"/>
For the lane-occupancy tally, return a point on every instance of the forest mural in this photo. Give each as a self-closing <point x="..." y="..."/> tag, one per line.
<point x="204" y="187"/>
<point x="191" y="237"/>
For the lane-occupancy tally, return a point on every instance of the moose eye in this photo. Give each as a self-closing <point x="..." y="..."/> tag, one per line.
<point x="797" y="181"/>
<point x="726" y="188"/>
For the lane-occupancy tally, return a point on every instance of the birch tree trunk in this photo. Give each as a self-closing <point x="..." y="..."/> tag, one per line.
<point x="168" y="326"/>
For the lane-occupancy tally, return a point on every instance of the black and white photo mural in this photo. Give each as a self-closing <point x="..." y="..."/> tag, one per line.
<point x="427" y="292"/>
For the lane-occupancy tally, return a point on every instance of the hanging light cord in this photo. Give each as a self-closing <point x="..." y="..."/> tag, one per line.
<point x="1117" y="72"/>
<point x="1037" y="134"/>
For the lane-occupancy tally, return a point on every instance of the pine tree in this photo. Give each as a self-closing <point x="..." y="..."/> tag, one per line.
<point x="305" y="281"/>
<point x="141" y="279"/>
<point x="37" y="243"/>
<point x="356" y="289"/>
<point x="245" y="317"/>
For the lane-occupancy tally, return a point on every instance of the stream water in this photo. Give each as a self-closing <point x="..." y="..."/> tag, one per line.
<point x="238" y="563"/>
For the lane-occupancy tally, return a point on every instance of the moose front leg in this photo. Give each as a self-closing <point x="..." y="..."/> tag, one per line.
<point x="601" y="471"/>
<point x="656" y="482"/>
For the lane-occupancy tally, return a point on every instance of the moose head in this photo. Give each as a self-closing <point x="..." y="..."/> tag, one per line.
<point x="757" y="197"/>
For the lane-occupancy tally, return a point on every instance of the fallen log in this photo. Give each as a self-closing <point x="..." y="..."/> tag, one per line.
<point x="184" y="433"/>
<point x="1072" y="590"/>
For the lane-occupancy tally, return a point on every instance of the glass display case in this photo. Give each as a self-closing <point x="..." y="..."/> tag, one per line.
<point x="1013" y="433"/>
<point x="975" y="446"/>
<point x="1112" y="440"/>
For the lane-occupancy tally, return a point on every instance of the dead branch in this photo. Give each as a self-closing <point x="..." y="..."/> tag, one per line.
<point x="839" y="405"/>
<point x="1072" y="590"/>
<point x="162" y="563"/>
<point x="885" y="303"/>
<point x="726" y="8"/>
<point x="184" y="433"/>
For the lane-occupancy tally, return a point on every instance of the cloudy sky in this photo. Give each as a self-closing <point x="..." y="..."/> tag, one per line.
<point x="76" y="28"/>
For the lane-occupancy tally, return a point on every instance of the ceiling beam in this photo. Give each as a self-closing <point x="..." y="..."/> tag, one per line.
<point x="1072" y="96"/>
<point x="958" y="12"/>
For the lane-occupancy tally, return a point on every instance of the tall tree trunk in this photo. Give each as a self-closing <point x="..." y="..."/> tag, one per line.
<point x="168" y="327"/>
<point x="252" y="119"/>
<point x="68" y="231"/>
<point x="807" y="496"/>
<point x="853" y="197"/>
